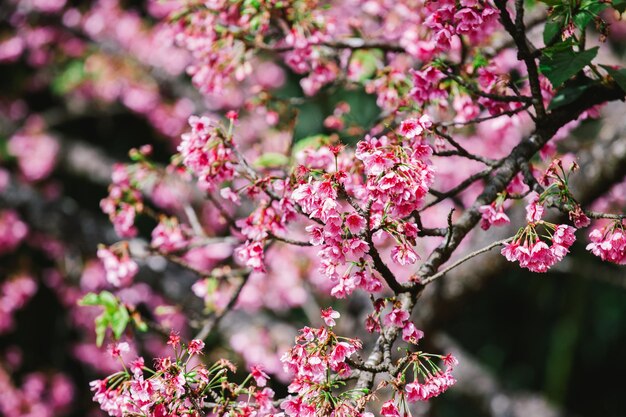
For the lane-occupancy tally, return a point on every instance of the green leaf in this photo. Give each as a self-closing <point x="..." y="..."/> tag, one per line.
<point x="588" y="12"/>
<point x="479" y="61"/>
<point x="567" y="95"/>
<point x="73" y="74"/>
<point x="552" y="3"/>
<point x="108" y="300"/>
<point x="115" y="314"/>
<point x="271" y="160"/>
<point x="119" y="320"/>
<point x="559" y="65"/>
<point x="102" y="322"/>
<point x="619" y="5"/>
<point x="314" y="142"/>
<point x="619" y="76"/>
<point x="551" y="31"/>
<point x="90" y="299"/>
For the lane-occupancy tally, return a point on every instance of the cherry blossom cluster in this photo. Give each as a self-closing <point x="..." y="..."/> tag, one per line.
<point x="351" y="203"/>
<point x="207" y="153"/>
<point x="124" y="200"/>
<point x="270" y="218"/>
<point x="609" y="243"/>
<point x="493" y="215"/>
<point x="317" y="364"/>
<point x="225" y="47"/>
<point x="15" y="292"/>
<point x="398" y="170"/>
<point x="180" y="385"/>
<point x="42" y="394"/>
<point x="56" y="37"/>
<point x="170" y="236"/>
<point x="35" y="150"/>
<point x="12" y="231"/>
<point x="531" y="249"/>
<point x="337" y="233"/>
<point x="119" y="266"/>
<point x="429" y="381"/>
<point x="396" y="317"/>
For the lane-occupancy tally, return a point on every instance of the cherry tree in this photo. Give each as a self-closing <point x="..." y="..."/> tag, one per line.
<point x="476" y="102"/>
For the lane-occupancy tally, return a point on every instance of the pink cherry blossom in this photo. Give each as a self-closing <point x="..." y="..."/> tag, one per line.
<point x="195" y="347"/>
<point x="389" y="409"/>
<point x="36" y="154"/>
<point x="609" y="244"/>
<point x="120" y="268"/>
<point x="493" y="215"/>
<point x="259" y="376"/>
<point x="12" y="230"/>
<point x="329" y="315"/>
<point x="396" y="317"/>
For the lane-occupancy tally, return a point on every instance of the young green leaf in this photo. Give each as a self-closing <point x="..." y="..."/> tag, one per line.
<point x="552" y="31"/>
<point x="559" y="65"/>
<point x="271" y="160"/>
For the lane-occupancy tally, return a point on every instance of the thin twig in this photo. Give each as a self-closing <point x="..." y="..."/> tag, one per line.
<point x="464" y="259"/>
<point x="477" y="120"/>
<point x="462" y="186"/>
<point x="212" y="322"/>
<point x="289" y="241"/>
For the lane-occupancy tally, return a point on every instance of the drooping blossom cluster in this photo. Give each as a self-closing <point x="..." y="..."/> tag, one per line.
<point x="428" y="379"/>
<point x="609" y="243"/>
<point x="531" y="249"/>
<point x="434" y="382"/>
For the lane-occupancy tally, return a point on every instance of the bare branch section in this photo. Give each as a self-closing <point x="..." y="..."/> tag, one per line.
<point x="211" y="323"/>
